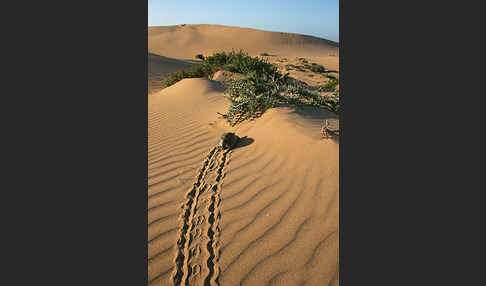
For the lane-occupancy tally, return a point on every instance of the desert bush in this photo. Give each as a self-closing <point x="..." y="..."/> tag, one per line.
<point x="252" y="95"/>
<point x="303" y="60"/>
<point x="238" y="62"/>
<point x="198" y="70"/>
<point x="299" y="94"/>
<point x="261" y="88"/>
<point x="332" y="83"/>
<point x="200" y="56"/>
<point x="294" y="67"/>
<point x="317" y="68"/>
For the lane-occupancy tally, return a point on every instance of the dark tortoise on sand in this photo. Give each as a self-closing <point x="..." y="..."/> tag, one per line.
<point x="228" y="140"/>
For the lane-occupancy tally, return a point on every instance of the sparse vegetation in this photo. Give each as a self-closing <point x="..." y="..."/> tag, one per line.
<point x="200" y="56"/>
<point x="294" y="67"/>
<point x="303" y="60"/>
<point x="198" y="70"/>
<point x="299" y="94"/>
<point x="238" y="62"/>
<point x="316" y="68"/>
<point x="261" y="88"/>
<point x="332" y="83"/>
<point x="312" y="67"/>
<point x="252" y="95"/>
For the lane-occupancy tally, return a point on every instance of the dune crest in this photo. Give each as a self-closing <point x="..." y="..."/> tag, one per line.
<point x="159" y="68"/>
<point x="189" y="40"/>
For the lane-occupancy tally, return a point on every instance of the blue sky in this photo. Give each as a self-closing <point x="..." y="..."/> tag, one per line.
<point x="310" y="17"/>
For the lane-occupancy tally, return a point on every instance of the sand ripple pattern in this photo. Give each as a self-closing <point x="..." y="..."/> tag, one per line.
<point x="265" y="213"/>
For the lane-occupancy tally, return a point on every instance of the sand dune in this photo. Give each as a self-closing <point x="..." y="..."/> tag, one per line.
<point x="184" y="42"/>
<point x="159" y="68"/>
<point x="264" y="213"/>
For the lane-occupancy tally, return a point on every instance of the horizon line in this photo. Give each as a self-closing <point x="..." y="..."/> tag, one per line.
<point x="258" y="29"/>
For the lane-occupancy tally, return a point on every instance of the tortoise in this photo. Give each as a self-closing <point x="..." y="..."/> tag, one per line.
<point x="228" y="140"/>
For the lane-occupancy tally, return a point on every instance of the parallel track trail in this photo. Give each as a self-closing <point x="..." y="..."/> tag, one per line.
<point x="198" y="245"/>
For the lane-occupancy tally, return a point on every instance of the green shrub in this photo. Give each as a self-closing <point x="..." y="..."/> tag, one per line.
<point x="254" y="94"/>
<point x="200" y="56"/>
<point x="303" y="60"/>
<point x="317" y="68"/>
<point x="197" y="70"/>
<point x="238" y="62"/>
<point x="331" y="84"/>
<point x="294" y="67"/>
<point x="261" y="88"/>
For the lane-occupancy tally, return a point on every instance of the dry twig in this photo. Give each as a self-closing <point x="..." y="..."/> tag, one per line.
<point x="325" y="132"/>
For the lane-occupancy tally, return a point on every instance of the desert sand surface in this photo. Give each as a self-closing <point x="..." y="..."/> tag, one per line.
<point x="159" y="67"/>
<point x="263" y="213"/>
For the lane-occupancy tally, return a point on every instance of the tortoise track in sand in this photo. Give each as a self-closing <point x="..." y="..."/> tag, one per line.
<point x="196" y="259"/>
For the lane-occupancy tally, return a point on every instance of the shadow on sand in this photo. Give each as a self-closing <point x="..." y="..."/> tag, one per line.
<point x="244" y="141"/>
<point x="317" y="116"/>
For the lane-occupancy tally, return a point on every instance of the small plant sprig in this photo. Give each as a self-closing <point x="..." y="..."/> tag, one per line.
<point x="327" y="132"/>
<point x="332" y="83"/>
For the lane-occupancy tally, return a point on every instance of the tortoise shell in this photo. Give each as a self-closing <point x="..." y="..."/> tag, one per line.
<point x="228" y="140"/>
